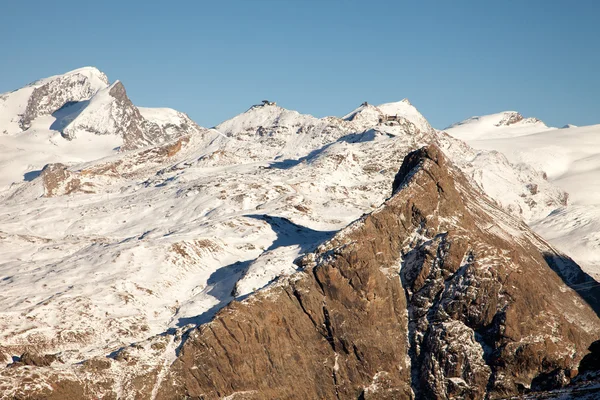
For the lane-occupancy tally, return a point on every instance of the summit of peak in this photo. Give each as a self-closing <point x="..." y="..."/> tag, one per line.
<point x="85" y="70"/>
<point x="505" y="123"/>
<point x="266" y="114"/>
<point x="96" y="78"/>
<point x="368" y="113"/>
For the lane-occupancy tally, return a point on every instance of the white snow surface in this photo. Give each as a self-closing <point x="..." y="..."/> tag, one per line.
<point x="570" y="158"/>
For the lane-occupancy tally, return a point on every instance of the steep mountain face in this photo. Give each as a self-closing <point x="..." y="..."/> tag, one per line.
<point x="438" y="274"/>
<point x="436" y="294"/>
<point x="110" y="112"/>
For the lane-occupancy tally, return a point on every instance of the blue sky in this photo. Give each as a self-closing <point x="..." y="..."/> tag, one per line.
<point x="213" y="59"/>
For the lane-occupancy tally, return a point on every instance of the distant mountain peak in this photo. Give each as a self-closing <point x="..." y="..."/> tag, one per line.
<point x="82" y="100"/>
<point x="501" y="124"/>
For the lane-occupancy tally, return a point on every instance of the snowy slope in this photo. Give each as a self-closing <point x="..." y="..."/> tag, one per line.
<point x="570" y="158"/>
<point x="23" y="155"/>
<point x="501" y="125"/>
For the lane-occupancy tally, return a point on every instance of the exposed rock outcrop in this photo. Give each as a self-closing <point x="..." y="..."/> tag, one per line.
<point x="59" y="180"/>
<point x="438" y="274"/>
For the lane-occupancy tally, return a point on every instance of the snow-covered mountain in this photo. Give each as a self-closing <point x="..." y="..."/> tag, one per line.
<point x="570" y="158"/>
<point x="501" y="125"/>
<point x="104" y="248"/>
<point x="18" y="109"/>
<point x="76" y="117"/>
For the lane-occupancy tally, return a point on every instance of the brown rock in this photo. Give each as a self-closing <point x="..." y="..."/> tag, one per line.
<point x="38" y="360"/>
<point x="478" y="308"/>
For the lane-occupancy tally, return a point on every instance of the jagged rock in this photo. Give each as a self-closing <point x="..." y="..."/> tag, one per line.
<point x="111" y="112"/>
<point x="510" y="118"/>
<point x="550" y="380"/>
<point x="38" y="360"/>
<point x="57" y="179"/>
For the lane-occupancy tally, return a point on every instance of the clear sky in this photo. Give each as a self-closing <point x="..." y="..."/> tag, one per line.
<point x="214" y="59"/>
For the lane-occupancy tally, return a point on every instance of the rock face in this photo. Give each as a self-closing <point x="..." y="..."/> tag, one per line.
<point x="109" y="112"/>
<point x="57" y="179"/>
<point x="438" y="292"/>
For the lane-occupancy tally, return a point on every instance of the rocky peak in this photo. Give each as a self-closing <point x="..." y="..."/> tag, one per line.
<point x="83" y="101"/>
<point x="118" y="92"/>
<point x="51" y="94"/>
<point x="413" y="162"/>
<point x="111" y="112"/>
<point x="513" y="117"/>
<point x="509" y="118"/>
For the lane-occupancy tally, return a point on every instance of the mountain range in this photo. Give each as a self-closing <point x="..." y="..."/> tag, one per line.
<point x="280" y="255"/>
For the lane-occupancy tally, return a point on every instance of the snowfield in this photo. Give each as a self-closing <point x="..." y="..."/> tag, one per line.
<point x="570" y="158"/>
<point x="124" y="245"/>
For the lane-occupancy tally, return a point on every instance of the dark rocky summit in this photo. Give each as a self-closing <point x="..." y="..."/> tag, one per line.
<point x="437" y="294"/>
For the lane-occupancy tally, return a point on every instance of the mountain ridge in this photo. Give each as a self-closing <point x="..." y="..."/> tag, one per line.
<point x="113" y="258"/>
